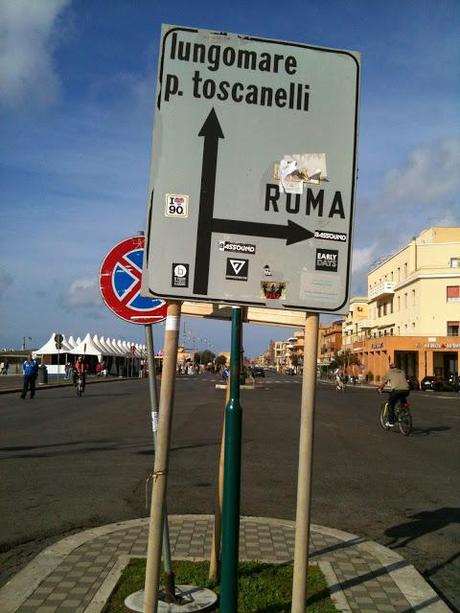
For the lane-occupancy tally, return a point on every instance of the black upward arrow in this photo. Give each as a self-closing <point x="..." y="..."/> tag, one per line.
<point x="211" y="131"/>
<point x="293" y="233"/>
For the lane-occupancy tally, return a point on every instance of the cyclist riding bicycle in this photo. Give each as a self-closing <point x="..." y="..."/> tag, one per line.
<point x="80" y="369"/>
<point x="394" y="381"/>
<point x="339" y="379"/>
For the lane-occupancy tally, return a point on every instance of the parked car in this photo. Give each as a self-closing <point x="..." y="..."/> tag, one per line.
<point x="413" y="383"/>
<point x="257" y="371"/>
<point x="453" y="383"/>
<point x="431" y="383"/>
<point x="438" y="384"/>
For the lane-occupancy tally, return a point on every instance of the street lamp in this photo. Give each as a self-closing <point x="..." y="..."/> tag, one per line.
<point x="23" y="348"/>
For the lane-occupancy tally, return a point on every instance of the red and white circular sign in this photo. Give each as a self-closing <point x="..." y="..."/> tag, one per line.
<point x="120" y="284"/>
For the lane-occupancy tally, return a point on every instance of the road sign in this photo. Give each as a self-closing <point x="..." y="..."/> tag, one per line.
<point x="120" y="284"/>
<point x="253" y="172"/>
<point x="58" y="338"/>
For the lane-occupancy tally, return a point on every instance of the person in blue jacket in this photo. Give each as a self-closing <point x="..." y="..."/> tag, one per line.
<point x="30" y="370"/>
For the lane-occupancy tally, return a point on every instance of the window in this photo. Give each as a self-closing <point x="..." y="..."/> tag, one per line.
<point x="399" y="303"/>
<point x="413" y="297"/>
<point x="405" y="300"/>
<point x="453" y="328"/>
<point x="455" y="262"/>
<point x="453" y="293"/>
<point x="405" y="270"/>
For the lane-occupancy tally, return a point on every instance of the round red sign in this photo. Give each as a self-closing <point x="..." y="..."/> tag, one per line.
<point x="120" y="284"/>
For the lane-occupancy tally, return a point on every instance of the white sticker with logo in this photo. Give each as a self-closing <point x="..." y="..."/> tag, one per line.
<point x="176" y="206"/>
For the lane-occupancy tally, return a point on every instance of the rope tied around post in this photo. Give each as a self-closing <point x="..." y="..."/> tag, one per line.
<point x="151" y="478"/>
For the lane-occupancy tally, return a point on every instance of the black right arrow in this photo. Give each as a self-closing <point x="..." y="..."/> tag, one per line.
<point x="293" y="233"/>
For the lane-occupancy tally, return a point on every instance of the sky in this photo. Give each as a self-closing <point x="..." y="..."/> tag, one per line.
<point x="77" y="82"/>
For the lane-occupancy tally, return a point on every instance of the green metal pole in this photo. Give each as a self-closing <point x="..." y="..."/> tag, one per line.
<point x="232" y="476"/>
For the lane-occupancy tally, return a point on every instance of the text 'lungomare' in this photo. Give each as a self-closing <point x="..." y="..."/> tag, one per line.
<point x="212" y="57"/>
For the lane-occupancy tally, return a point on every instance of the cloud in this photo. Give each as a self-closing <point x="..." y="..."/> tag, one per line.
<point x="27" y="41"/>
<point x="82" y="293"/>
<point x="431" y="174"/>
<point x="363" y="257"/>
<point x="5" y="281"/>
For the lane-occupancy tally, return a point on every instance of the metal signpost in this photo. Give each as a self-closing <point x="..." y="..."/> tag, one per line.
<point x="58" y="338"/>
<point x="253" y="170"/>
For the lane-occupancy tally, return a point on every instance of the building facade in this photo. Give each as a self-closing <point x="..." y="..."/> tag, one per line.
<point x="330" y="342"/>
<point x="414" y="308"/>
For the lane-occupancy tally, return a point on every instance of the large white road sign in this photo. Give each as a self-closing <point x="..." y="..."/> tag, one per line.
<point x="253" y="172"/>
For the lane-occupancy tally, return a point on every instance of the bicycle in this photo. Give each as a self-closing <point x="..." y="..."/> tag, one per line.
<point x="80" y="385"/>
<point x="403" y="417"/>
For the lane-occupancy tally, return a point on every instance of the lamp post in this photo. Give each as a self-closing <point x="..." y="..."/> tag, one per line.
<point x="23" y="348"/>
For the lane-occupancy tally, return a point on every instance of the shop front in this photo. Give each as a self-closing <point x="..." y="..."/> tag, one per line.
<point x="418" y="356"/>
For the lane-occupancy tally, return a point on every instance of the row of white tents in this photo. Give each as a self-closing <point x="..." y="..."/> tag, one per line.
<point x="102" y="349"/>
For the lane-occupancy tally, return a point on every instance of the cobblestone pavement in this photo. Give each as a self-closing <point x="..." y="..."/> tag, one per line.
<point x="78" y="573"/>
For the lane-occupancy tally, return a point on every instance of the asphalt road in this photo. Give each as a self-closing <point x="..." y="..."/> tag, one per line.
<point x="70" y="463"/>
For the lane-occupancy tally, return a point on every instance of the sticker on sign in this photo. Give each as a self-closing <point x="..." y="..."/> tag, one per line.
<point x="176" y="206"/>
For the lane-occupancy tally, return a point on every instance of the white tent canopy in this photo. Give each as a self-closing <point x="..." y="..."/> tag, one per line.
<point x="91" y="345"/>
<point x="49" y="348"/>
<point x="87" y="347"/>
<point x="71" y="342"/>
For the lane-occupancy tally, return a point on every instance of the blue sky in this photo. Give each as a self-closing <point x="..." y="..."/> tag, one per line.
<point x="77" y="85"/>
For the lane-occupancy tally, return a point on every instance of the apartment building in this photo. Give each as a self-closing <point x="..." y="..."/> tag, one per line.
<point x="413" y="307"/>
<point x="330" y="342"/>
<point x="352" y="325"/>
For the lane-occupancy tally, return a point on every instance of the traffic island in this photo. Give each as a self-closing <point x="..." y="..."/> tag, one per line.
<point x="262" y="587"/>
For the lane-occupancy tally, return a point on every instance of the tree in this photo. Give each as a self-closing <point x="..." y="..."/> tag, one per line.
<point x="344" y="359"/>
<point x="221" y="360"/>
<point x="207" y="356"/>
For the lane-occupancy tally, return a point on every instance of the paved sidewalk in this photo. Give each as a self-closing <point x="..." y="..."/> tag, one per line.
<point x="78" y="573"/>
<point x="12" y="384"/>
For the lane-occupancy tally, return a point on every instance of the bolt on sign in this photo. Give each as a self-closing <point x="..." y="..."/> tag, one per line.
<point x="253" y="172"/>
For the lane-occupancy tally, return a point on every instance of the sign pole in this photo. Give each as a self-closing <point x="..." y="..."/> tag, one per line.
<point x="232" y="475"/>
<point x="214" y="563"/>
<point x="169" y="575"/>
<point x="304" y="479"/>
<point x="160" y="471"/>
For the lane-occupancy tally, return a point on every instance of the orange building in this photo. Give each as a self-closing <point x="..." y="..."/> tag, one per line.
<point x="330" y="342"/>
<point x="413" y="309"/>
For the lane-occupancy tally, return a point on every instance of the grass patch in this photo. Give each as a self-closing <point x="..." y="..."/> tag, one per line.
<point x="263" y="588"/>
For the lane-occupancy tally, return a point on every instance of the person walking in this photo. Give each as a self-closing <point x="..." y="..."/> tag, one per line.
<point x="30" y="370"/>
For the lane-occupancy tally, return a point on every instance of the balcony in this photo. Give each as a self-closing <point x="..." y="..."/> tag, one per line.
<point x="365" y="324"/>
<point x="383" y="290"/>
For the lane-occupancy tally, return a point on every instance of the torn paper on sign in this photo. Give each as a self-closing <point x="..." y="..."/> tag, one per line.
<point x="291" y="180"/>
<point x="298" y="168"/>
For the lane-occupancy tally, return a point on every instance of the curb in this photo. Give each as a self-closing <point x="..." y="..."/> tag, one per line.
<point x="409" y="581"/>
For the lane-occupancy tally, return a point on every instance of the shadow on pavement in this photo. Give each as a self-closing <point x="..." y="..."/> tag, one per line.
<point x="428" y="431"/>
<point x="422" y="523"/>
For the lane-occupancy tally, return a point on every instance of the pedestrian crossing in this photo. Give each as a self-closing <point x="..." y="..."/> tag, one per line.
<point x="259" y="382"/>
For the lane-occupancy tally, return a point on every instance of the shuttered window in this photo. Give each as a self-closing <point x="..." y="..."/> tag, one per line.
<point x="453" y="293"/>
